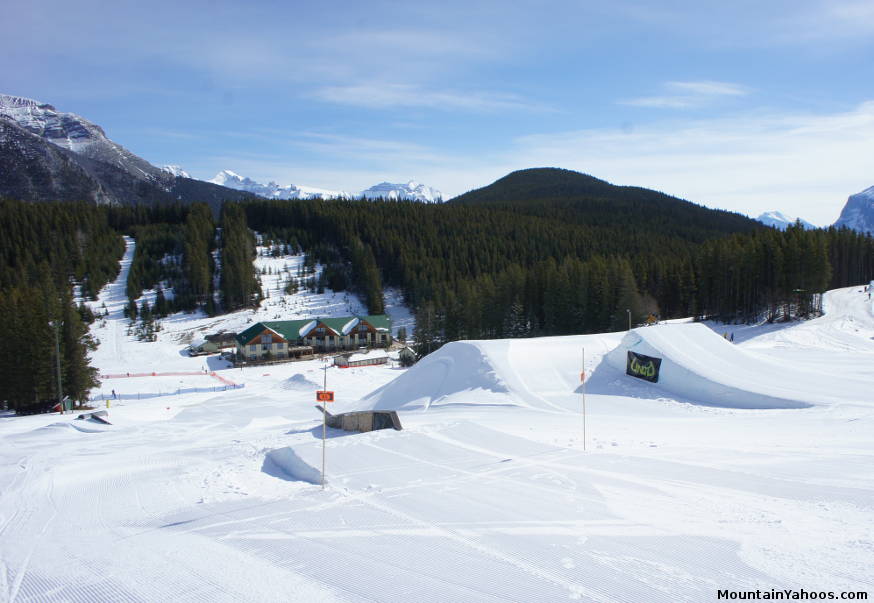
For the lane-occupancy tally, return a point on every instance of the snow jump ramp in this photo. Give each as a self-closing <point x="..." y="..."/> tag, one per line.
<point x="697" y="365"/>
<point x="701" y="366"/>
<point x="538" y="373"/>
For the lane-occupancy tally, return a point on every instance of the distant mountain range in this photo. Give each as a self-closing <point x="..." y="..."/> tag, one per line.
<point x="384" y="190"/>
<point x="271" y="190"/>
<point x="857" y="214"/>
<point x="780" y="220"/>
<point x="49" y="155"/>
<point x="410" y="190"/>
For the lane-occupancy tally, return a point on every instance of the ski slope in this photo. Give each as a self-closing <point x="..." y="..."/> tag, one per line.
<point x="489" y="493"/>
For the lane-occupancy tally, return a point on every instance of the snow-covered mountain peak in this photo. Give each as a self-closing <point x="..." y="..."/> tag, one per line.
<point x="75" y="133"/>
<point x="858" y="213"/>
<point x="780" y="220"/>
<point x="66" y="130"/>
<point x="774" y="215"/>
<point x="411" y="190"/>
<point x="175" y="170"/>
<point x="272" y="190"/>
<point x="10" y="101"/>
<point x="232" y="180"/>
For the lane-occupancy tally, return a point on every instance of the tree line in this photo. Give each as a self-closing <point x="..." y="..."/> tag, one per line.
<point x="542" y="267"/>
<point x="47" y="253"/>
<point x="547" y="267"/>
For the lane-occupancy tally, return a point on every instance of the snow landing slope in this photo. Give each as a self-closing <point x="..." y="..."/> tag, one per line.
<point x="697" y="365"/>
<point x="540" y="373"/>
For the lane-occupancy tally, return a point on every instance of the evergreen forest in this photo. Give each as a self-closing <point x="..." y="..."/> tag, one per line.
<point x="539" y="252"/>
<point x="475" y="272"/>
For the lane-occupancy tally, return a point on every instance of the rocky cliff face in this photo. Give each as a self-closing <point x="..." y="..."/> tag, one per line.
<point x="74" y="133"/>
<point x="48" y="155"/>
<point x="858" y="213"/>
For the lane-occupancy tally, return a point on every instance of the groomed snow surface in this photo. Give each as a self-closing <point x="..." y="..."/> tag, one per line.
<point x="748" y="466"/>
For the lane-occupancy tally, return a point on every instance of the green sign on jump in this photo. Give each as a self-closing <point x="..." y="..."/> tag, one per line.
<point x="643" y="367"/>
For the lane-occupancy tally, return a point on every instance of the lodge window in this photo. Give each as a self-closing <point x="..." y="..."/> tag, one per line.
<point x="362" y="329"/>
<point x="320" y="330"/>
<point x="266" y="338"/>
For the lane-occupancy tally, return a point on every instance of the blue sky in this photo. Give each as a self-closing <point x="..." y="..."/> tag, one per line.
<point x="742" y="105"/>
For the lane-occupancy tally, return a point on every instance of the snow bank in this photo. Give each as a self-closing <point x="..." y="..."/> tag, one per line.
<point x="459" y="367"/>
<point x="299" y="382"/>
<point x="699" y="365"/>
<point x="292" y="466"/>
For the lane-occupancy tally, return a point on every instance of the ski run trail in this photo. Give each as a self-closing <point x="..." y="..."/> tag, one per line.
<point x="748" y="466"/>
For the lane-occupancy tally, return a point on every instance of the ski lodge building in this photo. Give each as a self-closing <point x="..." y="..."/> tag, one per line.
<point x="294" y="339"/>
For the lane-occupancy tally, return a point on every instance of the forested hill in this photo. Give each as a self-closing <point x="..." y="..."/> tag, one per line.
<point x="538" y="183"/>
<point x="570" y="196"/>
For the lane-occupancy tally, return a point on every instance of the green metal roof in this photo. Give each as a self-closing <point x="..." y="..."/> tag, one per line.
<point x="290" y="329"/>
<point x="378" y="321"/>
<point x="337" y="324"/>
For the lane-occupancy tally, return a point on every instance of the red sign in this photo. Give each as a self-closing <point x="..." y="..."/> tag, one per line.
<point x="324" y="396"/>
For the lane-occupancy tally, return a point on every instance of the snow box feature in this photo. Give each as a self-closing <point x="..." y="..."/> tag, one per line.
<point x="363" y="421"/>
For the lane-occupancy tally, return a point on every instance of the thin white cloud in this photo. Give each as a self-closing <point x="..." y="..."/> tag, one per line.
<point x="839" y="21"/>
<point x="686" y="95"/>
<point x="370" y="149"/>
<point x="710" y="88"/>
<point x="663" y="102"/>
<point x="386" y="96"/>
<point x="417" y="42"/>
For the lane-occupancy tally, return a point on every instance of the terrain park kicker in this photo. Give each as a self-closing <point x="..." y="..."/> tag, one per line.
<point x="696" y="365"/>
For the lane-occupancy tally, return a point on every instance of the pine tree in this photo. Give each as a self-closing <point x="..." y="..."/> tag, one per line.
<point x="428" y="335"/>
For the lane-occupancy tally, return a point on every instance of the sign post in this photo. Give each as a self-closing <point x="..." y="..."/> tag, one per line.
<point x="324" y="396"/>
